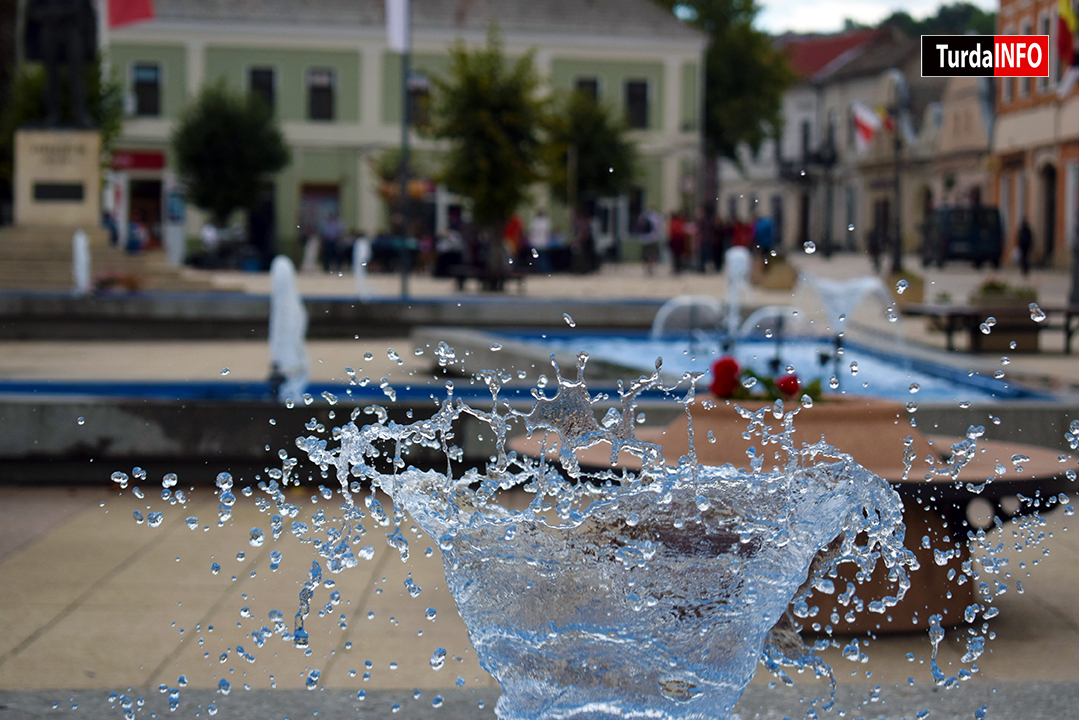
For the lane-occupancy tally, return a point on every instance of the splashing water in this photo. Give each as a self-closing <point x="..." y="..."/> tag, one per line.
<point x="635" y="594"/>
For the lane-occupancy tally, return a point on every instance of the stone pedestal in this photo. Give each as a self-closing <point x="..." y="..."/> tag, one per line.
<point x="57" y="177"/>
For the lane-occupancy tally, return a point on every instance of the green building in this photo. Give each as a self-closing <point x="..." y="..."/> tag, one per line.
<point x="335" y="87"/>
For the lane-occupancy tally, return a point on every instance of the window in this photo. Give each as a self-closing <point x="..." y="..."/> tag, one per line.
<point x="637" y="104"/>
<point x="1044" y="29"/>
<point x="588" y="86"/>
<point x="1024" y="83"/>
<point x="1007" y="84"/>
<point x="806" y="128"/>
<point x="260" y="81"/>
<point x="320" y="100"/>
<point x="419" y="100"/>
<point x="146" y="85"/>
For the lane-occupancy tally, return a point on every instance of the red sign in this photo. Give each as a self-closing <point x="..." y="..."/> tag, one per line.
<point x="1021" y="55"/>
<point x="138" y="160"/>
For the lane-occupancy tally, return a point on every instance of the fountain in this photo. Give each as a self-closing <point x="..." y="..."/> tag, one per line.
<point x="80" y="262"/>
<point x="737" y="265"/>
<point x="646" y="594"/>
<point x="288" y="330"/>
<point x="361" y="254"/>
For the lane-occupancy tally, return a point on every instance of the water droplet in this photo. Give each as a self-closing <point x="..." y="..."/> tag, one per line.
<point x="1036" y="313"/>
<point x="224" y="481"/>
<point x="535" y="253"/>
<point x="833" y="382"/>
<point x="914" y="387"/>
<point x="809" y="246"/>
<point x="998" y="374"/>
<point x="192" y="523"/>
<point x="431" y="613"/>
<point x="225" y="371"/>
<point x="768" y="333"/>
<point x="854" y="368"/>
<point x="1005" y="360"/>
<point x="912" y="407"/>
<point x="224" y="687"/>
<point x="569" y="320"/>
<point x="438" y="658"/>
<point x="901" y="286"/>
<point x="1012" y="345"/>
<point x="749" y="382"/>
<point x="807" y="402"/>
<point x="329" y="397"/>
<point x="392" y="355"/>
<point x="313" y="676"/>
<point x="368" y="356"/>
<point x="81" y="421"/>
<point x="413" y="589"/>
<point x="495" y="347"/>
<point x="256" y="538"/>
<point x="154" y="519"/>
<point x="985" y="328"/>
<point x="850" y="228"/>
<point x="121" y="478"/>
<point x="436" y="702"/>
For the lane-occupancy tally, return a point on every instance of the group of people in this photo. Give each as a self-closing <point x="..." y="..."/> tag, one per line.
<point x="692" y="243"/>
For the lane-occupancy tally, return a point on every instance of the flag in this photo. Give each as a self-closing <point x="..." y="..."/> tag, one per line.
<point x="1068" y="26"/>
<point x="886" y="119"/>
<point x="129" y="12"/>
<point x="866" y="124"/>
<point x="398" y="21"/>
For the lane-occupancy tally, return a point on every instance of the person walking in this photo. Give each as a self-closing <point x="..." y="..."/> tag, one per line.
<point x="1026" y="242"/>
<point x="650" y="234"/>
<point x="330" y="234"/>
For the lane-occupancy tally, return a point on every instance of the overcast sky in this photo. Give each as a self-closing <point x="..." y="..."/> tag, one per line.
<point x="779" y="16"/>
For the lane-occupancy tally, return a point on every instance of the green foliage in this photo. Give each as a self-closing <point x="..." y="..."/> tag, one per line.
<point x="104" y="100"/>
<point x="606" y="158"/>
<point x="955" y="19"/>
<point x="745" y="75"/>
<point x="225" y="144"/>
<point x="489" y="112"/>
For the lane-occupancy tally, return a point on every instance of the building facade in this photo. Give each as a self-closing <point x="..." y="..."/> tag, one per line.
<point x="1036" y="143"/>
<point x="335" y="88"/>
<point x="817" y="182"/>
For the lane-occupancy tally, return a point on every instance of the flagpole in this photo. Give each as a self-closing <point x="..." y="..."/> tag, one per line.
<point x="403" y="208"/>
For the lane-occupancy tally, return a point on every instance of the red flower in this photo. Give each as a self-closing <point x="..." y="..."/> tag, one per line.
<point x="788" y="384"/>
<point x="725" y="373"/>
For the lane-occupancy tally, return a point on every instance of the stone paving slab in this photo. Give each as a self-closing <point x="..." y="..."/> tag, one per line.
<point x="1004" y="701"/>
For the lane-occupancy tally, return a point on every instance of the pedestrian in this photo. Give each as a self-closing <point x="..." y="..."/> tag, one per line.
<point x="330" y="234"/>
<point x="677" y="240"/>
<point x="1025" y="243"/>
<point x="649" y="235"/>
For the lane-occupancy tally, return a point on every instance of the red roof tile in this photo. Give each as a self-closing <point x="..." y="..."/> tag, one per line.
<point x="809" y="55"/>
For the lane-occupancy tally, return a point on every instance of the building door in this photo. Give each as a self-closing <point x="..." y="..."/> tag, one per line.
<point x="1049" y="215"/>
<point x="317" y="204"/>
<point x="262" y="224"/>
<point x="144" y="204"/>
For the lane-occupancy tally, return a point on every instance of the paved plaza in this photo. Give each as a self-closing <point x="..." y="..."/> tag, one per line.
<point x="93" y="602"/>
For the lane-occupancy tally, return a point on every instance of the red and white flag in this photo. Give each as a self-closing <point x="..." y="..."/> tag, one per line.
<point x="129" y="12"/>
<point x="866" y="124"/>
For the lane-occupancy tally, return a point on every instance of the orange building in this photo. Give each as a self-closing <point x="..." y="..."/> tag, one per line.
<point x="1036" y="141"/>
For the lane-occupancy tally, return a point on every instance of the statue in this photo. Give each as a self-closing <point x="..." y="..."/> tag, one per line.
<point x="62" y="32"/>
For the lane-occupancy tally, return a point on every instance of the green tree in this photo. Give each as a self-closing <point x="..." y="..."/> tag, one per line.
<point x="745" y="78"/>
<point x="225" y="144"/>
<point x="954" y="19"/>
<point x="488" y="109"/>
<point x="26" y="107"/>
<point x="605" y="159"/>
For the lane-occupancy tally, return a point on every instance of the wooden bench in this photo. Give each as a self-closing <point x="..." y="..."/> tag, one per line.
<point x="1010" y="319"/>
<point x="489" y="280"/>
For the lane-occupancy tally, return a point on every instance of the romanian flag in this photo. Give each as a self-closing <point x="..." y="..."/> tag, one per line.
<point x="129" y="12"/>
<point x="1068" y="27"/>
<point x="886" y="119"/>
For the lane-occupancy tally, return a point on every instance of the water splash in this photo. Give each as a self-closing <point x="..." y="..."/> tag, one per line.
<point x="651" y="593"/>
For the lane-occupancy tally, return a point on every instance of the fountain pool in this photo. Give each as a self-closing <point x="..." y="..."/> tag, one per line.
<point x="861" y="370"/>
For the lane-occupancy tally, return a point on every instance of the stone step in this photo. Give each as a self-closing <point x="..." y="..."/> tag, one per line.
<point x="39" y="258"/>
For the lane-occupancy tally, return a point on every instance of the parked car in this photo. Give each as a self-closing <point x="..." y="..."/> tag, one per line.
<point x="954" y="233"/>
